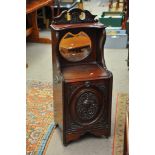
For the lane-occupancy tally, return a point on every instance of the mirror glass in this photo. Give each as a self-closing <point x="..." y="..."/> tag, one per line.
<point x="75" y="47"/>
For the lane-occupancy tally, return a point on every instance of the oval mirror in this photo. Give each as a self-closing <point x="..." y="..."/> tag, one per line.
<point x="75" y="47"/>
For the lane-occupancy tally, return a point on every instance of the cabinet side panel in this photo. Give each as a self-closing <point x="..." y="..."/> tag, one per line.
<point x="110" y="100"/>
<point x="57" y="85"/>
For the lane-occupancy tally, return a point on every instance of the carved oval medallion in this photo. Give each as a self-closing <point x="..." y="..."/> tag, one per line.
<point x="87" y="106"/>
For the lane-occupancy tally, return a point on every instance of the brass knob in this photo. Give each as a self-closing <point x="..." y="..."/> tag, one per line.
<point x="68" y="16"/>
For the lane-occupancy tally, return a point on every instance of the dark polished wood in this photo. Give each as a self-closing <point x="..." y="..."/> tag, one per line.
<point x="32" y="33"/>
<point x="85" y="25"/>
<point x="82" y="89"/>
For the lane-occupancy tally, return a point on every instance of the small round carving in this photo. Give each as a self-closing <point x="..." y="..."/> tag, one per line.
<point x="87" y="106"/>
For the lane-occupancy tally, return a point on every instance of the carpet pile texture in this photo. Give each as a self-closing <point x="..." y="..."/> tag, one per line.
<point x="39" y="116"/>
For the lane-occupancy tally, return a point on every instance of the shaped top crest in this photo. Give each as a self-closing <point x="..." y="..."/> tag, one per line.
<point x="75" y="16"/>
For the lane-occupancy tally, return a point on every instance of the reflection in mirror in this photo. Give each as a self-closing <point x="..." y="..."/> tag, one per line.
<point x="75" y="47"/>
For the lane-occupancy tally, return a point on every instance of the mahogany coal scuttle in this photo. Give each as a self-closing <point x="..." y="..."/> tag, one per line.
<point x="82" y="89"/>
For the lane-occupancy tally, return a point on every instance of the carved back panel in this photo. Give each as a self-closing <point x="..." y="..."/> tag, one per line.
<point x="75" y="16"/>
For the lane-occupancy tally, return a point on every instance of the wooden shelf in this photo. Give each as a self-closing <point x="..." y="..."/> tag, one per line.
<point x="35" y="5"/>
